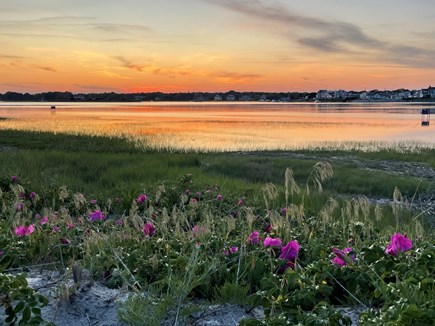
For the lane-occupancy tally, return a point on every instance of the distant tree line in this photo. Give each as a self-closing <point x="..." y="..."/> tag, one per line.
<point x="157" y="96"/>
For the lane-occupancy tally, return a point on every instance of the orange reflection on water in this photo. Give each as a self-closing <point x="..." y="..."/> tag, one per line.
<point x="217" y="127"/>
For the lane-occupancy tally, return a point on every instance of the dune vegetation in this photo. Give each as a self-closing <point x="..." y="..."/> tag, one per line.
<point x="296" y="236"/>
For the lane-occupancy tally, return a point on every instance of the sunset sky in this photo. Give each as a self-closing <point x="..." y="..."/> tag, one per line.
<point x="215" y="45"/>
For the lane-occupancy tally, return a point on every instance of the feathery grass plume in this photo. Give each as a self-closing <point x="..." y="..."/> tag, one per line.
<point x="378" y="213"/>
<point x="400" y="206"/>
<point x="17" y="189"/>
<point x="269" y="193"/>
<point x="321" y="172"/>
<point x="250" y="217"/>
<point x="161" y="190"/>
<point x="327" y="211"/>
<point x="291" y="186"/>
<point x="79" y="200"/>
<point x="296" y="212"/>
<point x="63" y="193"/>
<point x="418" y="229"/>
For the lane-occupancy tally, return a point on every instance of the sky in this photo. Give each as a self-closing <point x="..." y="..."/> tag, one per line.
<point x="86" y="46"/>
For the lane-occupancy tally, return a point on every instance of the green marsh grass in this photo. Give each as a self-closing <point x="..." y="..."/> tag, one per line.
<point x="191" y="256"/>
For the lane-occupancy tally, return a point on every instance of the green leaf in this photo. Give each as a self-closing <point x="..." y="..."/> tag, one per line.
<point x="36" y="311"/>
<point x="26" y="314"/>
<point x="20" y="306"/>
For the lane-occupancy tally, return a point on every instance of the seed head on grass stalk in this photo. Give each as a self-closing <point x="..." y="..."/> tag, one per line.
<point x="291" y="187"/>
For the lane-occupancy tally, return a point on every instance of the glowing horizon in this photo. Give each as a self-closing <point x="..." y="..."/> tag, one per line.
<point x="215" y="45"/>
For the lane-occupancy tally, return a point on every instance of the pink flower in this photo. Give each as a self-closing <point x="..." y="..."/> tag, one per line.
<point x="233" y="250"/>
<point x="141" y="199"/>
<point x="96" y="215"/>
<point x="272" y="242"/>
<point x="56" y="229"/>
<point x="19" y="206"/>
<point x="226" y="252"/>
<point x="38" y="216"/>
<point x="197" y="230"/>
<point x="240" y="202"/>
<point x="219" y="197"/>
<point x="64" y="241"/>
<point x="24" y="230"/>
<point x="32" y="195"/>
<point x="70" y="226"/>
<point x="283" y="211"/>
<point x="290" y="251"/>
<point x="29" y="230"/>
<point x="193" y="201"/>
<point x="14" y="179"/>
<point x="20" y="230"/>
<point x="43" y="220"/>
<point x="254" y="238"/>
<point x="2" y="253"/>
<point x="268" y="228"/>
<point x="93" y="201"/>
<point x="340" y="256"/>
<point x="119" y="222"/>
<point x="398" y="243"/>
<point x="149" y="229"/>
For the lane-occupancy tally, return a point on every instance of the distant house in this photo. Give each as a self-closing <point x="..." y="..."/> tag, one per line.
<point x="217" y="97"/>
<point x="246" y="98"/>
<point x="231" y="97"/>
<point x="324" y="94"/>
<point x="79" y="97"/>
<point x="340" y="94"/>
<point x="431" y="92"/>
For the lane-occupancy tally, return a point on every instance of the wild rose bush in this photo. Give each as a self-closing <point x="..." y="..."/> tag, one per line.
<point x="290" y="262"/>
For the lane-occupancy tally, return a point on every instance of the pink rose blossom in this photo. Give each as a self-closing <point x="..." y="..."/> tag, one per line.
<point x="272" y="242"/>
<point x="43" y="220"/>
<point x="142" y="199"/>
<point x="233" y="250"/>
<point x="290" y="251"/>
<point x="149" y="229"/>
<point x="24" y="230"/>
<point x="340" y="256"/>
<point x="198" y="230"/>
<point x="398" y="243"/>
<point x="96" y="215"/>
<point x="254" y="238"/>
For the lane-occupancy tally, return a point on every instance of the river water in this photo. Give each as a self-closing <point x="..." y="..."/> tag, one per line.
<point x="227" y="126"/>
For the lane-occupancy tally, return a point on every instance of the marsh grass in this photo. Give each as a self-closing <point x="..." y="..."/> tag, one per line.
<point x="191" y="256"/>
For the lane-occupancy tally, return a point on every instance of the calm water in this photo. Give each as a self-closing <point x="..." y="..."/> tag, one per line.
<point x="231" y="126"/>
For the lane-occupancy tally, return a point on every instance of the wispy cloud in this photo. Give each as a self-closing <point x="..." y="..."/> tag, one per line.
<point x="5" y="56"/>
<point x="128" y="64"/>
<point x="234" y="78"/>
<point x="23" y="65"/>
<point x="327" y="36"/>
<point x="77" y="27"/>
<point x="324" y="35"/>
<point x="95" y="88"/>
<point x="121" y="28"/>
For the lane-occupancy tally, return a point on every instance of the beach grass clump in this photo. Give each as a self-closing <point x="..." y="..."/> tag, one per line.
<point x="297" y="253"/>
